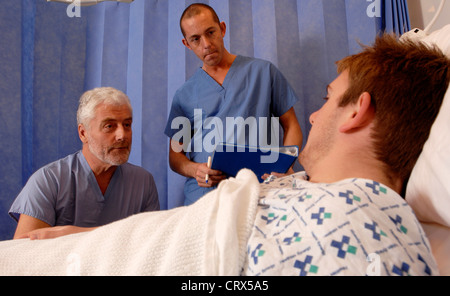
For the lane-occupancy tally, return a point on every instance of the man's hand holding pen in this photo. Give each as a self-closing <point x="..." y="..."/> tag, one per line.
<point x="207" y="177"/>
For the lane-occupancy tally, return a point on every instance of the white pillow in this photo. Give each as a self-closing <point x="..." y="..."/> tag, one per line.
<point x="428" y="190"/>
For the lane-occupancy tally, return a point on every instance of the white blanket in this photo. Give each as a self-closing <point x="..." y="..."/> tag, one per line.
<point x="206" y="238"/>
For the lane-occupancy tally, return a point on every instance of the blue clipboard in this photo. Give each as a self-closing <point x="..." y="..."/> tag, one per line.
<point x="231" y="158"/>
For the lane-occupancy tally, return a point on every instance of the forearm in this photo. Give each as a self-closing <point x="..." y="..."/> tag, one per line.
<point x="293" y="136"/>
<point x="27" y="224"/>
<point x="292" y="132"/>
<point x="180" y="164"/>
<point x="54" y="232"/>
<point x="291" y="128"/>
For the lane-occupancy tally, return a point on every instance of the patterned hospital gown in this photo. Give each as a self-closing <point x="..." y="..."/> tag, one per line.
<point x="352" y="227"/>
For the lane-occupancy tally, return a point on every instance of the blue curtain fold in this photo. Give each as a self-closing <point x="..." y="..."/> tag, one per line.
<point x="49" y="59"/>
<point x="27" y="59"/>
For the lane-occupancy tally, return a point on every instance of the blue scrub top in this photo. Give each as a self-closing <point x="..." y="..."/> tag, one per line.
<point x="66" y="192"/>
<point x="252" y="88"/>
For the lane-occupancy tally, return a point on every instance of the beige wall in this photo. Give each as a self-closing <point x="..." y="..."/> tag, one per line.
<point x="421" y="12"/>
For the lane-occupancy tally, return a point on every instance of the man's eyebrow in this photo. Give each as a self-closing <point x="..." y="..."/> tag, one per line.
<point x="197" y="35"/>
<point x="109" y="119"/>
<point x="193" y="36"/>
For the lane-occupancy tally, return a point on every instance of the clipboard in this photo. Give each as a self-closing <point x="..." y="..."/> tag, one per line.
<point x="231" y="158"/>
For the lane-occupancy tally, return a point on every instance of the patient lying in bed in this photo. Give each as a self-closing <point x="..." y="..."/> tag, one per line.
<point x="344" y="216"/>
<point x="351" y="227"/>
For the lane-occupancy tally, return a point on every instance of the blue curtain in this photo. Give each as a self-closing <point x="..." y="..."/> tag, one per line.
<point x="49" y="59"/>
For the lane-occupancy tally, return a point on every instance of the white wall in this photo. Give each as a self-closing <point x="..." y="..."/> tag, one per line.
<point x="421" y="12"/>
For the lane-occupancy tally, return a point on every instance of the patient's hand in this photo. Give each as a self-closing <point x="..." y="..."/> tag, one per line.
<point x="278" y="175"/>
<point x="53" y="232"/>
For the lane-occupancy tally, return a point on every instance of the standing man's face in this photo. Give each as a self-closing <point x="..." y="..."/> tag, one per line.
<point x="204" y="37"/>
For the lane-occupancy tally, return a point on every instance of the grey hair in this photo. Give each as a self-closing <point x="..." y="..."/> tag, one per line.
<point x="92" y="98"/>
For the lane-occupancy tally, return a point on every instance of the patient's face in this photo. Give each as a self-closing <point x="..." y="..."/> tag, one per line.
<point x="325" y="124"/>
<point x="109" y="134"/>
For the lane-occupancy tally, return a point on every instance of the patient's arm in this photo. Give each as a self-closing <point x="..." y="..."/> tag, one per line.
<point x="32" y="228"/>
<point x="278" y="175"/>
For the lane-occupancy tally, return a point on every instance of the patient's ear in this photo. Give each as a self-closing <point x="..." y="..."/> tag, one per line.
<point x="361" y="114"/>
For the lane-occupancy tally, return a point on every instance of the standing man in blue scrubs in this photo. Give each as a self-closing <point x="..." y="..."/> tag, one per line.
<point x="226" y="86"/>
<point x="91" y="187"/>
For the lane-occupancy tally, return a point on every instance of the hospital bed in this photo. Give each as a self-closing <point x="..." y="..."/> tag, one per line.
<point x="428" y="190"/>
<point x="209" y="238"/>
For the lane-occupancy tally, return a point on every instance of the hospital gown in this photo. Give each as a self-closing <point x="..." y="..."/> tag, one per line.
<point x="352" y="227"/>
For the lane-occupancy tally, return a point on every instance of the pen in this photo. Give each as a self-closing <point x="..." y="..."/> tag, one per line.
<point x="209" y="166"/>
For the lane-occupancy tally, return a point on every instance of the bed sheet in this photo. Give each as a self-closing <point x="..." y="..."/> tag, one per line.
<point x="353" y="227"/>
<point x="439" y="237"/>
<point x="206" y="238"/>
<point x="428" y="190"/>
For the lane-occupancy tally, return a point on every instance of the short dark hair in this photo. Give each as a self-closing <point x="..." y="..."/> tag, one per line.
<point x="196" y="9"/>
<point x="407" y="82"/>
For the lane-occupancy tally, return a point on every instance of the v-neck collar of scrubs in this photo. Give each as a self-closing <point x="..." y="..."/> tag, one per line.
<point x="228" y="76"/>
<point x="93" y="181"/>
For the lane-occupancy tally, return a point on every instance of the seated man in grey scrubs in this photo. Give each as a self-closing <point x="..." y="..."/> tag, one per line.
<point x="91" y="187"/>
